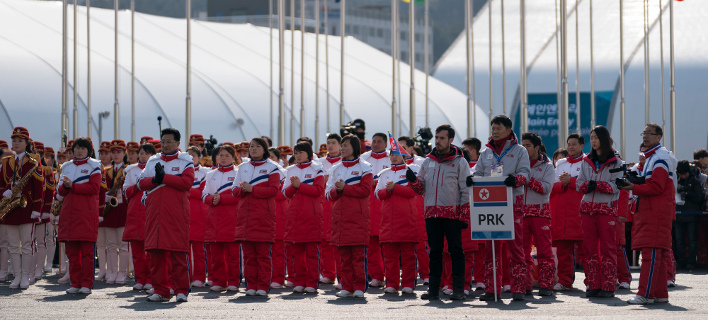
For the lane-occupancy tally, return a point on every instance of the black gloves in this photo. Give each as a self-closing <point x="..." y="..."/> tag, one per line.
<point x="159" y="174"/>
<point x="592" y="184"/>
<point x="469" y="181"/>
<point x="510" y="181"/>
<point x="410" y="175"/>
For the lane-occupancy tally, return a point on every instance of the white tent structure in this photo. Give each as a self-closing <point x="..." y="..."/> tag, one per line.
<point x="691" y="52"/>
<point x="230" y="80"/>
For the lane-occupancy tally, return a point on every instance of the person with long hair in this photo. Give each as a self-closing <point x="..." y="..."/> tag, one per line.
<point x="349" y="186"/>
<point x="278" y="251"/>
<point x="197" y="220"/>
<point x="598" y="213"/>
<point x="117" y="255"/>
<point x="80" y="189"/>
<point x="135" y="220"/>
<point x="256" y="183"/>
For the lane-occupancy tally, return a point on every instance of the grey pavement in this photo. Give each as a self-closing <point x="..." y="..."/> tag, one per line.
<point x="47" y="300"/>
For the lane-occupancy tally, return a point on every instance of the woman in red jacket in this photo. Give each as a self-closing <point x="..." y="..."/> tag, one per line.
<point x="349" y="186"/>
<point x="304" y="186"/>
<point x="135" y="220"/>
<point x="399" y="225"/>
<point x="278" y="250"/>
<point x="197" y="221"/>
<point x="79" y="187"/>
<point x="221" y="221"/>
<point x="118" y="257"/>
<point x="257" y="183"/>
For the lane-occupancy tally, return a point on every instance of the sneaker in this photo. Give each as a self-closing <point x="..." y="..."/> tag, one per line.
<point x="150" y="291"/>
<point x="480" y="286"/>
<point x="624" y="285"/>
<point x="72" y="290"/>
<point x="172" y="292"/>
<point x="208" y="283"/>
<point x="358" y="294"/>
<point x="48" y="269"/>
<point x="326" y="280"/>
<point x="670" y="284"/>
<point x="65" y="279"/>
<point x="275" y="285"/>
<point x="518" y="296"/>
<point x="426" y="281"/>
<point x="157" y="298"/>
<point x="447" y="292"/>
<point x="592" y="293"/>
<point x="217" y="288"/>
<point x="467" y="292"/>
<point x="232" y="288"/>
<point x="457" y="296"/>
<point x="181" y="297"/>
<point x="147" y="287"/>
<point x="606" y="294"/>
<point x="198" y="284"/>
<point x="289" y="284"/>
<point x="262" y="293"/>
<point x="407" y="290"/>
<point x="640" y="300"/>
<point x="299" y="289"/>
<point x="338" y="286"/>
<point x="545" y="292"/>
<point x="390" y="290"/>
<point x="376" y="283"/>
<point x="310" y="290"/>
<point x="489" y="296"/>
<point x="506" y="288"/>
<point x="661" y="300"/>
<point x="85" y="290"/>
<point x="343" y="294"/>
<point x="560" y="287"/>
<point x="138" y="286"/>
<point x="250" y="292"/>
<point x="430" y="295"/>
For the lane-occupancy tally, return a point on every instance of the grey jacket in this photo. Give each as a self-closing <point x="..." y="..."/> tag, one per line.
<point x="515" y="162"/>
<point x="442" y="182"/>
<point x="603" y="200"/>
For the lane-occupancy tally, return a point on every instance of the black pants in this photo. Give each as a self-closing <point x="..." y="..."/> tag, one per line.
<point x="686" y="230"/>
<point x="438" y="230"/>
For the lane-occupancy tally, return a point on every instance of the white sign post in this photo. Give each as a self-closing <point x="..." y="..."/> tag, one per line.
<point x="491" y="214"/>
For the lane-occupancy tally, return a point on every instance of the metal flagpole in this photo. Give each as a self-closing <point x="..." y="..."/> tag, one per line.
<point x="504" y="58"/>
<point x="563" y="123"/>
<point x="64" y="70"/>
<point x="188" y="118"/>
<point x="327" y="62"/>
<point x="302" y="68"/>
<point x="491" y="80"/>
<point x="398" y="72"/>
<point x="427" y="61"/>
<point x="317" y="71"/>
<point x="558" y="77"/>
<point x="622" y="110"/>
<point x="270" y="26"/>
<point x="411" y="58"/>
<point x="470" y="105"/>
<point x="88" y="63"/>
<point x="661" y="45"/>
<point x="673" y="83"/>
<point x="593" y="119"/>
<point x="523" y="99"/>
<point x="116" y="106"/>
<point x="76" y="71"/>
<point x="281" y="72"/>
<point x="474" y="86"/>
<point x="394" y="119"/>
<point x="132" y="70"/>
<point x="577" y="70"/>
<point x="341" y="80"/>
<point x="292" y="71"/>
<point x="646" y="61"/>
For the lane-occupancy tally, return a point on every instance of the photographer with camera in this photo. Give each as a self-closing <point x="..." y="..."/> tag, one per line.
<point x="357" y="128"/>
<point x="685" y="225"/>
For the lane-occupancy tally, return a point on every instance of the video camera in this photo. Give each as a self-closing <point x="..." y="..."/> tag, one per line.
<point x="350" y="128"/>
<point x="627" y="176"/>
<point x="210" y="144"/>
<point x="423" y="138"/>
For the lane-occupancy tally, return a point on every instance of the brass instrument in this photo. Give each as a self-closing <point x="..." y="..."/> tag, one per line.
<point x="17" y="199"/>
<point x="113" y="201"/>
<point x="56" y="207"/>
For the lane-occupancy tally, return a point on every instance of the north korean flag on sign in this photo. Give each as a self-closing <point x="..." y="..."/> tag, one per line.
<point x="489" y="195"/>
<point x="396" y="148"/>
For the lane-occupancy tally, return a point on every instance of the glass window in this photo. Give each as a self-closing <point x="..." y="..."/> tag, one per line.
<point x="356" y="30"/>
<point x="404" y="35"/>
<point x="372" y="32"/>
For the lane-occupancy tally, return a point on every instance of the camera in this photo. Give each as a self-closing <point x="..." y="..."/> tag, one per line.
<point x="423" y="139"/>
<point x="627" y="176"/>
<point x="350" y="128"/>
<point x="210" y="144"/>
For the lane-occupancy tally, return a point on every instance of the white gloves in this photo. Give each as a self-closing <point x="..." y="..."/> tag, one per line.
<point x="108" y="197"/>
<point x="35" y="215"/>
<point x="7" y="193"/>
<point x="100" y="219"/>
<point x="46" y="216"/>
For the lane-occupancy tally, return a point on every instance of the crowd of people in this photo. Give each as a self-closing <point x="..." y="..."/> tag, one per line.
<point x="353" y="213"/>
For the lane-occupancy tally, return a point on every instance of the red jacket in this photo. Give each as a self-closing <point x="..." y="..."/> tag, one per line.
<point x="378" y="161"/>
<point x="565" y="202"/>
<point x="79" y="213"/>
<point x="350" y="212"/>
<point x="50" y="184"/>
<point x="167" y="204"/>
<point x="622" y="211"/>
<point x="304" y="214"/>
<point x="281" y="207"/>
<point x="117" y="216"/>
<point x="399" y="209"/>
<point x="197" y="208"/>
<point x="256" y="219"/>
<point x="135" y="219"/>
<point x="221" y="218"/>
<point x="32" y="192"/>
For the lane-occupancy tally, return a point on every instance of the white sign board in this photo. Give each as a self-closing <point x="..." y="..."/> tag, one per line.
<point x="491" y="209"/>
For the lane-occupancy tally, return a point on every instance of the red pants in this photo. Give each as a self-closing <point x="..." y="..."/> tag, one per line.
<point x="227" y="264"/>
<point x="540" y="229"/>
<point x="374" y="260"/>
<point x="399" y="256"/>
<point x="600" y="244"/>
<point x="198" y="260"/>
<point x="479" y="263"/>
<point x="652" y="277"/>
<point x="565" y="252"/>
<point x="329" y="260"/>
<point x="422" y="251"/>
<point x="141" y="265"/>
<point x="257" y="266"/>
<point x="517" y="263"/>
<point x="306" y="262"/>
<point x="81" y="263"/>
<point x="210" y="262"/>
<point x="278" y="254"/>
<point x="623" y="272"/>
<point x="169" y="268"/>
<point x="353" y="273"/>
<point x="289" y="262"/>
<point x="469" y="269"/>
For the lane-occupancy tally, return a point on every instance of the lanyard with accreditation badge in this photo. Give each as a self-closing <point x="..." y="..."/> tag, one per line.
<point x="498" y="168"/>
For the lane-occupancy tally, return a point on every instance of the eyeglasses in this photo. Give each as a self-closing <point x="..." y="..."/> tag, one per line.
<point x="167" y="141"/>
<point x="648" y="134"/>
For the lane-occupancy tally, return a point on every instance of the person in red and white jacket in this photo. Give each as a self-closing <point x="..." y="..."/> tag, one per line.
<point x="135" y="220"/>
<point x="197" y="220"/>
<point x="598" y="213"/>
<point x="221" y="221"/>
<point x="256" y="183"/>
<point x="113" y="225"/>
<point x="330" y="263"/>
<point x="379" y="160"/>
<point x="399" y="225"/>
<point x="304" y="186"/>
<point x="537" y="215"/>
<point x="475" y="263"/>
<point x="349" y="187"/>
<point x="79" y="188"/>
<point x="565" y="212"/>
<point x="166" y="181"/>
<point x="278" y="251"/>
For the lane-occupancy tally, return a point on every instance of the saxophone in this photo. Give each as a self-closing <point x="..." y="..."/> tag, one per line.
<point x="17" y="199"/>
<point x="113" y="201"/>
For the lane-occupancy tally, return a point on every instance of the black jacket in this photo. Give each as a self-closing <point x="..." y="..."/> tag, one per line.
<point x="691" y="191"/>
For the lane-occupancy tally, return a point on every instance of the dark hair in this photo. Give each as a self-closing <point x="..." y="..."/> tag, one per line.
<point x="542" y="148"/>
<point x="560" y="151"/>
<point x="291" y="161"/>
<point x="195" y="150"/>
<point x="683" y="166"/>
<point x="274" y="151"/>
<point x="174" y="132"/>
<point x="474" y="143"/>
<point x="502" y="120"/>
<point x="448" y="128"/>
<point x="605" y="144"/>
<point x="304" y="146"/>
<point x="228" y="149"/>
<point x="335" y="136"/>
<point x="533" y="137"/>
<point x="657" y="128"/>
<point x="700" y="153"/>
<point x="409" y="141"/>
<point x="268" y="139"/>
<point x="466" y="154"/>
<point x="641" y="146"/>
<point x="305" y="139"/>
<point x="354" y="141"/>
<point x="84" y="143"/>
<point x="380" y="134"/>
<point x="419" y="151"/>
<point x="581" y="139"/>
<point x="263" y="144"/>
<point x="148" y="147"/>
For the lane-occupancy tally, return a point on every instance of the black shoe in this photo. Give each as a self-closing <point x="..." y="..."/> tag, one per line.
<point x="489" y="296"/>
<point x="518" y="296"/>
<point x="430" y="296"/>
<point x="592" y="293"/>
<point x="545" y="292"/>
<point x="458" y="296"/>
<point x="690" y="267"/>
<point x="479" y="289"/>
<point x="529" y="292"/>
<point x="606" y="294"/>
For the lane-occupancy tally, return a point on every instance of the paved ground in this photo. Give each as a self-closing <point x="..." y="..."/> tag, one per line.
<point x="47" y="300"/>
